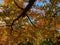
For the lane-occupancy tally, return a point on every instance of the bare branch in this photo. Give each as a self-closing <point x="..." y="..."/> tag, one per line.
<point x="18" y="5"/>
<point x="23" y="14"/>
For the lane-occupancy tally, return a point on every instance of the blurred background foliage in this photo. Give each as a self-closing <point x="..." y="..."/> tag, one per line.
<point x="46" y="18"/>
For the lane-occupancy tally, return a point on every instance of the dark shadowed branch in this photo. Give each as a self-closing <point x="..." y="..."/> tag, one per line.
<point x="18" y="5"/>
<point x="23" y="14"/>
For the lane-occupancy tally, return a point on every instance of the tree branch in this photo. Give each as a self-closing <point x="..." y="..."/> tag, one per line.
<point x="30" y="21"/>
<point x="18" y="5"/>
<point x="23" y="14"/>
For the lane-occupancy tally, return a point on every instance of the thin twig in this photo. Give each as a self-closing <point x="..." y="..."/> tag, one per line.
<point x="18" y="5"/>
<point x="30" y="20"/>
